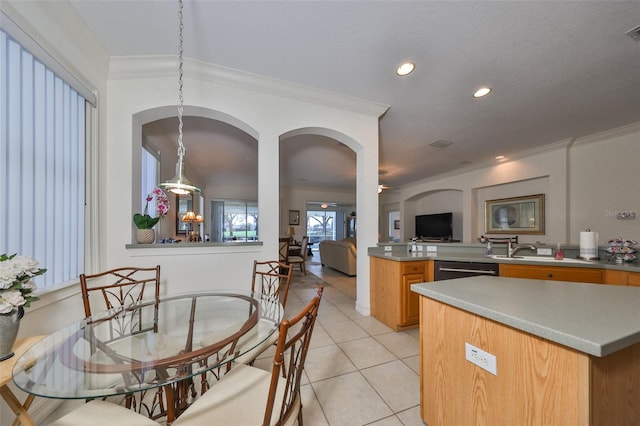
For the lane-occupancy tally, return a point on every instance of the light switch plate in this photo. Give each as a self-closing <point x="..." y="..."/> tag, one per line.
<point x="545" y="251"/>
<point x="482" y="359"/>
<point x="388" y="248"/>
<point x="432" y="248"/>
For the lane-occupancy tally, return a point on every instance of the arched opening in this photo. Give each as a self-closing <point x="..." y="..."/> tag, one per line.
<point x="221" y="158"/>
<point x="318" y="179"/>
<point x="433" y="202"/>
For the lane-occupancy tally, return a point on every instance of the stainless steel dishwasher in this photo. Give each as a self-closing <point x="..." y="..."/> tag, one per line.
<point x="447" y="270"/>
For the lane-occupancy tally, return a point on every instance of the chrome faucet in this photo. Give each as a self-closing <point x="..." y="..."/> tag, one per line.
<point x="512" y="250"/>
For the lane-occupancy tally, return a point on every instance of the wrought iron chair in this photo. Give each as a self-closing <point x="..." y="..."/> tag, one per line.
<point x="119" y="288"/>
<point x="272" y="280"/>
<point x="283" y="249"/>
<point x="248" y="395"/>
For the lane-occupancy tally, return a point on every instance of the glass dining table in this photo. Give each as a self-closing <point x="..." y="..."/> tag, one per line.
<point x="175" y="345"/>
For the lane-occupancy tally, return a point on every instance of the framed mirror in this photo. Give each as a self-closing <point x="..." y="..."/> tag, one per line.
<point x="184" y="203"/>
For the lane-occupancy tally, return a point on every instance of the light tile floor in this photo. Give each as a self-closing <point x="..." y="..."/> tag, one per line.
<point x="358" y="371"/>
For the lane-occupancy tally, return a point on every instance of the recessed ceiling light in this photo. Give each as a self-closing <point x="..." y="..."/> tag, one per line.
<point x="405" y="68"/>
<point x="499" y="157"/>
<point x="483" y="91"/>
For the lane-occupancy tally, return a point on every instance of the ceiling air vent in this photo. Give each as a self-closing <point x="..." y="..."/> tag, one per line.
<point x="440" y="144"/>
<point x="634" y="33"/>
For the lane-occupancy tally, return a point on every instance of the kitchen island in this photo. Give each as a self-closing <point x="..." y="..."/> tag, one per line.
<point x="565" y="353"/>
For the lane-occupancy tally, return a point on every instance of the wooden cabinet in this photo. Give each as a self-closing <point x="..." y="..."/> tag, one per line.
<point x="538" y="381"/>
<point x="410" y="301"/>
<point x="552" y="273"/>
<point x="621" y="278"/>
<point x="392" y="300"/>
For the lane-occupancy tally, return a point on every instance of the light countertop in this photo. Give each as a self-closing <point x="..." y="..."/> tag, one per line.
<point x="473" y="253"/>
<point x="592" y="318"/>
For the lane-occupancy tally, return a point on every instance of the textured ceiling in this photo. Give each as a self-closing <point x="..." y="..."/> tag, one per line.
<point x="558" y="69"/>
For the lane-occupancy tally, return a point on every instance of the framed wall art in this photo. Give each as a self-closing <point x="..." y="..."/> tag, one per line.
<point x="517" y="215"/>
<point x="294" y="217"/>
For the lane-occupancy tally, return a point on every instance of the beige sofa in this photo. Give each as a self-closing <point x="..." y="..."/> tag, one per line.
<point x="340" y="255"/>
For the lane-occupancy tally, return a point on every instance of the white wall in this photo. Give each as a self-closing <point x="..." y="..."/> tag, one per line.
<point x="605" y="180"/>
<point x="134" y="86"/>
<point x="585" y="182"/>
<point x="436" y="202"/>
<point x="268" y="116"/>
<point x="476" y="186"/>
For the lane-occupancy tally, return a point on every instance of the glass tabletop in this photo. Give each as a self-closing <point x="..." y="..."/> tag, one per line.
<point x="147" y="345"/>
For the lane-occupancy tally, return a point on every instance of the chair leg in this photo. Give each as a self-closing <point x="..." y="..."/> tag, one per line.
<point x="300" y="415"/>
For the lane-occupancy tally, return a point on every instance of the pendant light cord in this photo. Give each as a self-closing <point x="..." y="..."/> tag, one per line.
<point x="181" y="150"/>
<point x="179" y="184"/>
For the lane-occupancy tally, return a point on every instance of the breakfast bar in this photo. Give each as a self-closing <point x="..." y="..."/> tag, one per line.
<point x="504" y="351"/>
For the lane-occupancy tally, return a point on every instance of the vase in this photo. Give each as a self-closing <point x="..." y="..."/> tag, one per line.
<point x="145" y="236"/>
<point x="9" y="325"/>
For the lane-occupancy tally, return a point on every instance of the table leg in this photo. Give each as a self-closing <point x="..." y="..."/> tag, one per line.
<point x="20" y="410"/>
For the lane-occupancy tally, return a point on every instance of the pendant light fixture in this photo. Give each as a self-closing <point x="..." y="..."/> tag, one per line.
<point x="179" y="184"/>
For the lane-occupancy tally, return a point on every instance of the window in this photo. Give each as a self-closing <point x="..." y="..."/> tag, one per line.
<point x="321" y="225"/>
<point x="234" y="221"/>
<point x="150" y="178"/>
<point x="42" y="165"/>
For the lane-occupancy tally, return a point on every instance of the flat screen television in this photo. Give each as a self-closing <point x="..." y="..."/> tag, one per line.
<point x="439" y="225"/>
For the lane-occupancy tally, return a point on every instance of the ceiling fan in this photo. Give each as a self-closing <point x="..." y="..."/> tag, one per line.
<point x="322" y="204"/>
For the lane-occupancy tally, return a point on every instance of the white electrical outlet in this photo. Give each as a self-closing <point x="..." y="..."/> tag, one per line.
<point x="545" y="251"/>
<point x="388" y="248"/>
<point x="482" y="359"/>
<point x="432" y="248"/>
<point x="419" y="248"/>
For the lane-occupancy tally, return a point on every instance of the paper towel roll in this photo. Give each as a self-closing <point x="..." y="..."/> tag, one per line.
<point x="589" y="245"/>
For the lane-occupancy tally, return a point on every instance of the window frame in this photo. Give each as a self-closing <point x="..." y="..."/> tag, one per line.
<point x="248" y="204"/>
<point x="64" y="270"/>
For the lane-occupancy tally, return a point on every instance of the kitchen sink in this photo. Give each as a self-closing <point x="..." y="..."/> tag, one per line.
<point x="539" y="259"/>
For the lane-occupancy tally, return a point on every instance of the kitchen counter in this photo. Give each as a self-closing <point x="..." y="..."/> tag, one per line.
<point x="505" y="351"/>
<point x="591" y="318"/>
<point x="475" y="253"/>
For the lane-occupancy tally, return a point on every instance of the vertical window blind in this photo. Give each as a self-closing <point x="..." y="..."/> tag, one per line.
<point x="42" y="165"/>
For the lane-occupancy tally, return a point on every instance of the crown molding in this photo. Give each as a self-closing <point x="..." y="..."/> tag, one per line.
<point x="132" y="67"/>
<point x="616" y="132"/>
